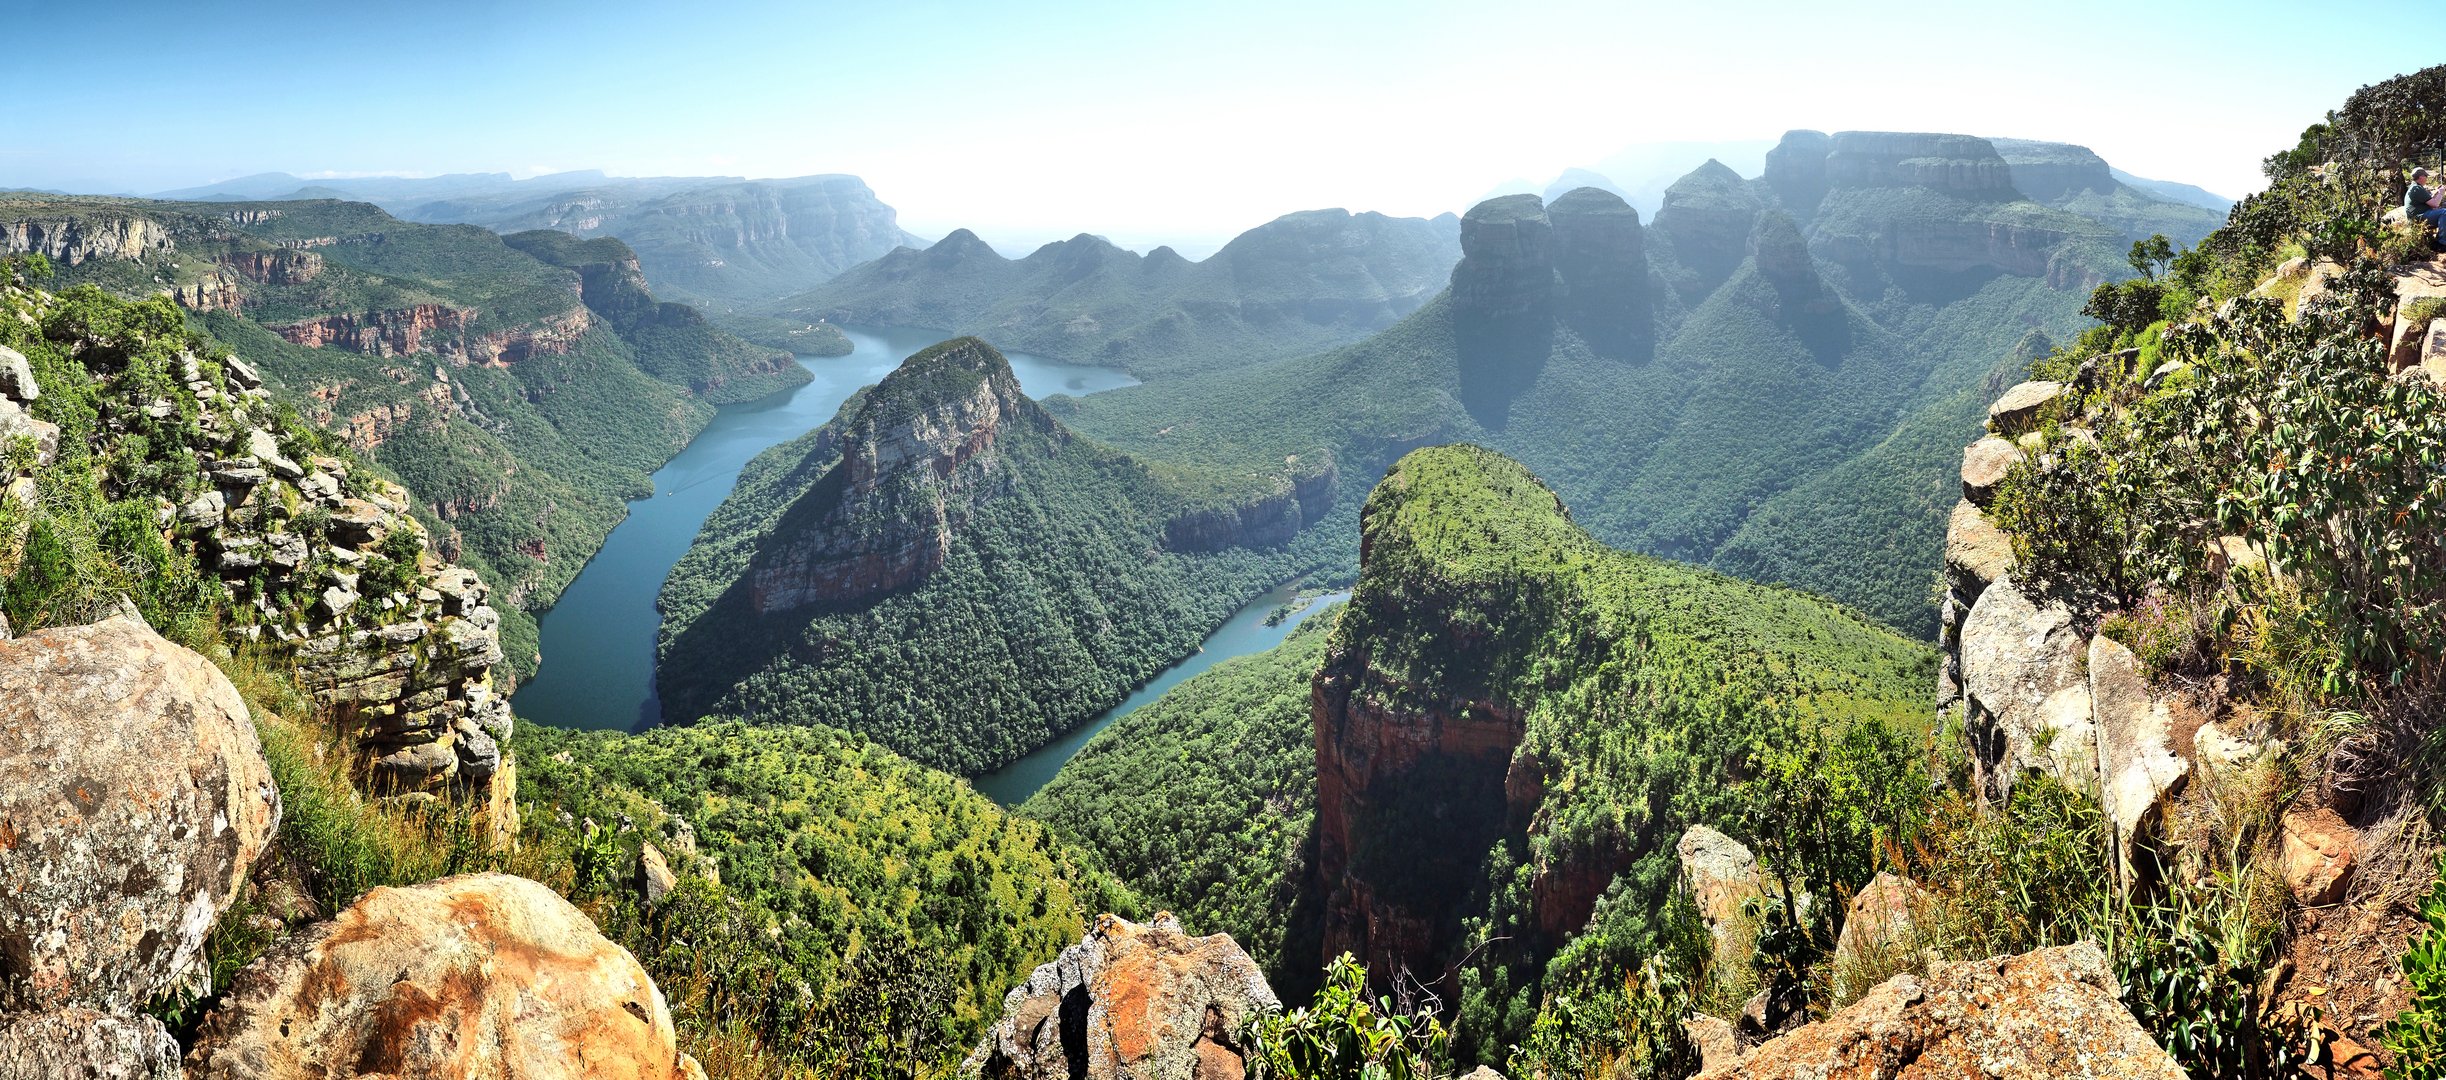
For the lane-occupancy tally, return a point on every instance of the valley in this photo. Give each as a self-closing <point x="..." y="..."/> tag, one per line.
<point x="1860" y="604"/>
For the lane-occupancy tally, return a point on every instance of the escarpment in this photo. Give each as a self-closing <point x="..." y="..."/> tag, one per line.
<point x="915" y="461"/>
<point x="1488" y="640"/>
<point x="1527" y="269"/>
<point x="1300" y="497"/>
<point x="314" y="556"/>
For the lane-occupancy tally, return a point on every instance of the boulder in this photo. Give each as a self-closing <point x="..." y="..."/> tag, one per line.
<point x="1722" y="875"/>
<point x="2051" y="1013"/>
<point x="1144" y="1001"/>
<point x="1984" y="465"/>
<point x="2021" y="670"/>
<point x="2432" y="358"/>
<point x="2219" y="751"/>
<point x="242" y="373"/>
<point x="133" y="799"/>
<point x="17" y="377"/>
<point x="79" y="1043"/>
<point x="478" y="975"/>
<point x="1883" y="925"/>
<point x="1976" y="551"/>
<point x="2018" y="410"/>
<point x="16" y="423"/>
<point x="2139" y="769"/>
<point x="1718" y="1046"/>
<point x="356" y="523"/>
<point x="2318" y="855"/>
<point x="654" y="876"/>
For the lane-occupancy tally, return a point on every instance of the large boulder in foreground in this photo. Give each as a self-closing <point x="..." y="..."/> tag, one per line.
<point x="133" y="799"/>
<point x="477" y="975"/>
<point x="1139" y="1000"/>
<point x="2049" y="1013"/>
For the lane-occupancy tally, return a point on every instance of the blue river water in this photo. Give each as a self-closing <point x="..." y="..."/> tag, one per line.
<point x="598" y="641"/>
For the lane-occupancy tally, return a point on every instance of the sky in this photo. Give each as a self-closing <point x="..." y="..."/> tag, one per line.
<point x="1145" y="121"/>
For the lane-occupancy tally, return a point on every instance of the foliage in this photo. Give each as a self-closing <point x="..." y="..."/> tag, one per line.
<point x="871" y="912"/>
<point x="2417" y="1035"/>
<point x="1204" y="800"/>
<point x="1059" y="591"/>
<point x="1344" y="1036"/>
<point x="2197" y="980"/>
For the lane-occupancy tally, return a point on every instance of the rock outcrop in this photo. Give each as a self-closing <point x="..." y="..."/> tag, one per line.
<point x="134" y="798"/>
<point x="1298" y="498"/>
<point x="1601" y="270"/>
<point x="478" y="975"/>
<point x="1885" y="926"/>
<point x="275" y="267"/>
<point x="1130" y="1000"/>
<point x="2021" y="662"/>
<point x="1722" y="876"/>
<point x="2053" y="1013"/>
<point x="442" y="330"/>
<point x="1706" y="218"/>
<point x="915" y="457"/>
<point x="74" y="239"/>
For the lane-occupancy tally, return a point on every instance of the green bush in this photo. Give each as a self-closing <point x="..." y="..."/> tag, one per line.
<point x="2417" y="1035"/>
<point x="1345" y="1036"/>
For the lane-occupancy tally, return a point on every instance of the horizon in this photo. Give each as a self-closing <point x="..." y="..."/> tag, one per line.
<point x="954" y="115"/>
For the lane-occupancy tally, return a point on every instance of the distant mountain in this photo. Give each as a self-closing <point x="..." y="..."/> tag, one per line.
<point x="717" y="241"/>
<point x="2070" y="177"/>
<point x="1763" y="380"/>
<point x="712" y="240"/>
<point x="2186" y="193"/>
<point x="521" y="389"/>
<point x="1299" y="284"/>
<point x="1574" y="179"/>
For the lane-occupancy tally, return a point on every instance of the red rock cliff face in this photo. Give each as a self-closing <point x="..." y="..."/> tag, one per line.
<point x="440" y="330"/>
<point x="284" y="267"/>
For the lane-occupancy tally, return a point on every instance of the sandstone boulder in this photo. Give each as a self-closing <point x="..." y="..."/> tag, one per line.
<point x="133" y="799"/>
<point x="1984" y="464"/>
<point x="2051" y="1013"/>
<point x="2021" y="670"/>
<point x="478" y="975"/>
<point x="1882" y="927"/>
<point x="1144" y="1001"/>
<point x="1976" y="551"/>
<point x="2139" y="768"/>
<point x="79" y="1043"/>
<point x="654" y="876"/>
<point x="2318" y="855"/>
<point x="16" y="424"/>
<point x="1722" y="875"/>
<point x="2019" y="409"/>
<point x="17" y="376"/>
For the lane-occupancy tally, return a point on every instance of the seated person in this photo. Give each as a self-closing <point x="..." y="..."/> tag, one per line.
<point x="2422" y="203"/>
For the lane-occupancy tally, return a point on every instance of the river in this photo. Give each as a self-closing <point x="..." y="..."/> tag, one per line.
<point x="598" y="641"/>
<point x="1245" y="632"/>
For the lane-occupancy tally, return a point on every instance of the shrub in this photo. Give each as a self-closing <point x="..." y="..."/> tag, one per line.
<point x="2417" y="1035"/>
<point x="1343" y="1036"/>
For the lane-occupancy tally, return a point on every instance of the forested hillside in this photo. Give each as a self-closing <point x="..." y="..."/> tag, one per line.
<point x="949" y="570"/>
<point x="521" y="398"/>
<point x="1751" y="381"/>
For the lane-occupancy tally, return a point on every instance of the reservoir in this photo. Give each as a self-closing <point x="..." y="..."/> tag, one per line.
<point x="1244" y="633"/>
<point x="598" y="641"/>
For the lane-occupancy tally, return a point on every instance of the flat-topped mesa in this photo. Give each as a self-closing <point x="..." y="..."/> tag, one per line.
<point x="1506" y="272"/>
<point x="1706" y="217"/>
<point x="2046" y="171"/>
<point x="1796" y="168"/>
<point x="917" y="453"/>
<point x="1600" y="257"/>
<point x="1963" y="164"/>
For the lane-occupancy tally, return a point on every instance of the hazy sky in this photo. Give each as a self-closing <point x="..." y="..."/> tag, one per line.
<point x="1143" y="119"/>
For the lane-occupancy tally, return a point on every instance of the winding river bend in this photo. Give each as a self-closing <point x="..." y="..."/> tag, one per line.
<point x="598" y="641"/>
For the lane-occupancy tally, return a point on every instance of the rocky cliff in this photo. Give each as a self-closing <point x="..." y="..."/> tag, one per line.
<point x="76" y="239"/>
<point x="1141" y="1000"/>
<point x="1301" y="496"/>
<point x="313" y="555"/>
<point x="1439" y="732"/>
<point x="915" y="460"/>
<point x="440" y="330"/>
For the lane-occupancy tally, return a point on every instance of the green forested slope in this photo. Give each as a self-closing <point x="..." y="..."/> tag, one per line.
<point x="1203" y="801"/>
<point x="544" y="386"/>
<point x="881" y="901"/>
<point x="1060" y="585"/>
